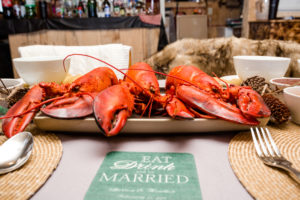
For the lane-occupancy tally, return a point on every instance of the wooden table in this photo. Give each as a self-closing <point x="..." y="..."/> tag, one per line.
<point x="83" y="155"/>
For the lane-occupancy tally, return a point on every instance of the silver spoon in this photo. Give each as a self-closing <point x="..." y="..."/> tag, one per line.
<point x="15" y="152"/>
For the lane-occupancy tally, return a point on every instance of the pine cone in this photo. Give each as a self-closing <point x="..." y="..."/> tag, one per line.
<point x="279" y="111"/>
<point x="259" y="84"/>
<point x="16" y="94"/>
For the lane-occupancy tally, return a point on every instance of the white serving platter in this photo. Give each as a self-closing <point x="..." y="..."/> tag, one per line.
<point x="153" y="125"/>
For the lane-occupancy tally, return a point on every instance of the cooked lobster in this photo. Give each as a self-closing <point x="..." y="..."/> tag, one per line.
<point x="67" y="100"/>
<point x="138" y="92"/>
<point x="189" y="93"/>
<point x="203" y="95"/>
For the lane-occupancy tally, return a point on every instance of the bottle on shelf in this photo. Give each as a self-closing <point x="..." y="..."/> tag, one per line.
<point x="30" y="9"/>
<point x="106" y="8"/>
<point x="80" y="9"/>
<point x="59" y="8"/>
<point x="16" y="9"/>
<point x="92" y="8"/>
<point x="140" y="7"/>
<point x="69" y="7"/>
<point x="122" y="9"/>
<point x="100" y="11"/>
<point x="43" y="9"/>
<point x="117" y="6"/>
<point x="52" y="7"/>
<point x="7" y="9"/>
<point x="152" y="7"/>
<point x="129" y="8"/>
<point x="22" y="9"/>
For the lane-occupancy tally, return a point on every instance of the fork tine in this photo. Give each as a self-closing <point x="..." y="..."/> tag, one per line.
<point x="267" y="142"/>
<point x="273" y="143"/>
<point x="261" y="142"/>
<point x="256" y="145"/>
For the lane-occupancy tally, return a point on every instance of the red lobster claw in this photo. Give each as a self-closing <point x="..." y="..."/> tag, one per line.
<point x="71" y="107"/>
<point x="252" y="104"/>
<point x="112" y="107"/>
<point x="77" y="103"/>
<point x="201" y="100"/>
<point x="14" y="125"/>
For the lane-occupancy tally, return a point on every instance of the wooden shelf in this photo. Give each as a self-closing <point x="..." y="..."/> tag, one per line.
<point x="185" y="5"/>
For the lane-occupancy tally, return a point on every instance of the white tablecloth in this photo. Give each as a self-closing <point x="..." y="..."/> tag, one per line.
<point x="83" y="155"/>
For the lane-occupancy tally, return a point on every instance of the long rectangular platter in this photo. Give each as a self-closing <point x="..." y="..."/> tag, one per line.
<point x="153" y="125"/>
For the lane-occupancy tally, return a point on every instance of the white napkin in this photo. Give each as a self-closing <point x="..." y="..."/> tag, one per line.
<point x="117" y="55"/>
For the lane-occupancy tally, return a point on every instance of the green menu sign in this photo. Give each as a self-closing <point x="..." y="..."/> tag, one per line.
<point x="146" y="176"/>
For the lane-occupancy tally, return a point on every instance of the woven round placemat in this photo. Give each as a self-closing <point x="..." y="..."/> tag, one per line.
<point x="260" y="180"/>
<point x="25" y="181"/>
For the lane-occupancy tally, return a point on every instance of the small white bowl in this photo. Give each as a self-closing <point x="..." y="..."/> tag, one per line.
<point x="10" y="84"/>
<point x="284" y="82"/>
<point x="292" y="100"/>
<point x="267" y="67"/>
<point x="41" y="69"/>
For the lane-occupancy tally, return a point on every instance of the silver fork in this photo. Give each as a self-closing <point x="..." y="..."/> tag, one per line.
<point x="268" y="152"/>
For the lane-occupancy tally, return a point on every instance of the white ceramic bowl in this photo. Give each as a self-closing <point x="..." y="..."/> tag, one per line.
<point x="292" y="100"/>
<point x="267" y="67"/>
<point x="284" y="82"/>
<point x="10" y="84"/>
<point x="41" y="69"/>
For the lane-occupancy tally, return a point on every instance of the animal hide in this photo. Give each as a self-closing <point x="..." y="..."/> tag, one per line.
<point x="216" y="55"/>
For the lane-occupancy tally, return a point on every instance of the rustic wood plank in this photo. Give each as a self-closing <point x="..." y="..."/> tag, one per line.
<point x="248" y="15"/>
<point x="144" y="41"/>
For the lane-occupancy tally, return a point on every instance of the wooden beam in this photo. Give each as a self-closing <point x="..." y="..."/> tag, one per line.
<point x="248" y="15"/>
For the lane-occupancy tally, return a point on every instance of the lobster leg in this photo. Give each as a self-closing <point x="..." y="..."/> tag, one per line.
<point x="112" y="107"/>
<point x="177" y="109"/>
<point x="14" y="125"/>
<point x="203" y="101"/>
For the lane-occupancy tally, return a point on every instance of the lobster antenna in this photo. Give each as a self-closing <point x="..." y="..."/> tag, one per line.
<point x="227" y="86"/>
<point x="164" y="74"/>
<point x="78" y="54"/>
<point x="121" y="70"/>
<point x="34" y="107"/>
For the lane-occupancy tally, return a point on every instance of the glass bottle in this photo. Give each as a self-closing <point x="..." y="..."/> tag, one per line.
<point x="106" y="8"/>
<point x="17" y="9"/>
<point x="22" y="9"/>
<point x="69" y="8"/>
<point x="91" y="7"/>
<point x="152" y="7"/>
<point x="140" y="7"/>
<point x="117" y="6"/>
<point x="262" y="9"/>
<point x="43" y="6"/>
<point x="59" y="8"/>
<point x="100" y="11"/>
<point x="30" y="9"/>
<point x="7" y="9"/>
<point x="122" y="10"/>
<point x="80" y="9"/>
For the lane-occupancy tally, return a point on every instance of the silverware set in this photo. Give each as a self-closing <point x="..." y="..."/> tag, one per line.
<point x="269" y="153"/>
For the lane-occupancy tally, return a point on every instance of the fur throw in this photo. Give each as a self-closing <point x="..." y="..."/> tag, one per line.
<point x="216" y="55"/>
